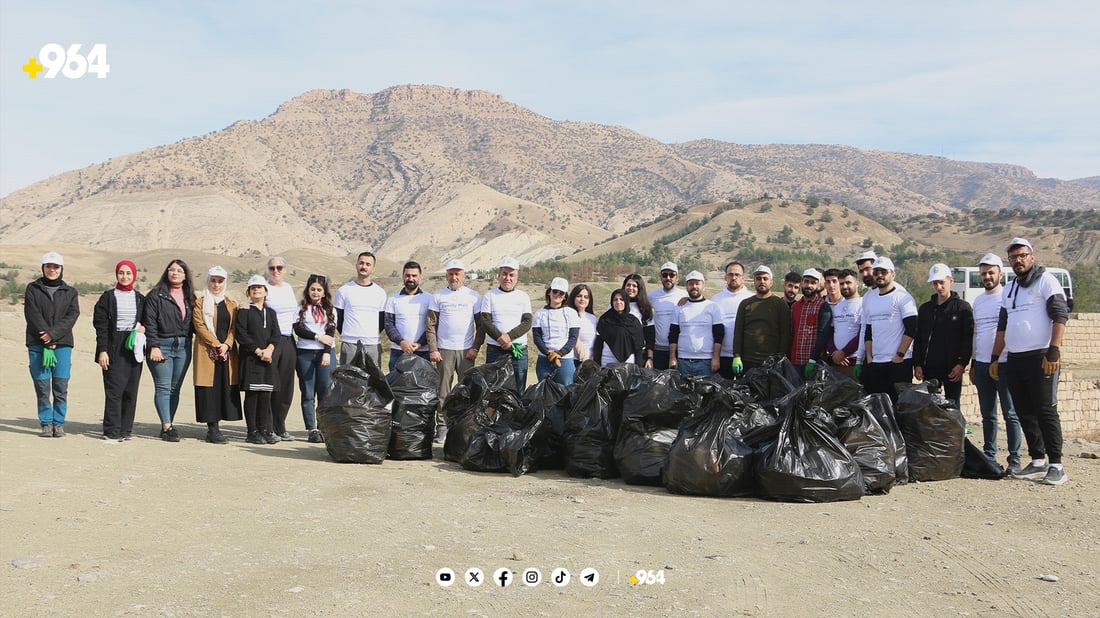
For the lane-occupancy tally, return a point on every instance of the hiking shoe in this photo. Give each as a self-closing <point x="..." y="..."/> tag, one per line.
<point x="440" y="435"/>
<point x="47" y="431"/>
<point x="216" y="437"/>
<point x="170" y="434"/>
<point x="270" y="437"/>
<point x="254" y="437"/>
<point x="59" y="431"/>
<point x="1054" y="476"/>
<point x="286" y="437"/>
<point x="315" y="437"/>
<point x="1032" y="472"/>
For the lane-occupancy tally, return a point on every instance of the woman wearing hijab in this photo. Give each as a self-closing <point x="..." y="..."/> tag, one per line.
<point x="168" y="330"/>
<point x="214" y="317"/>
<point x="51" y="309"/>
<point x="258" y="333"/>
<point x="115" y="320"/>
<point x="639" y="305"/>
<point x="619" y="336"/>
<point x="316" y="330"/>
<point x="555" y="329"/>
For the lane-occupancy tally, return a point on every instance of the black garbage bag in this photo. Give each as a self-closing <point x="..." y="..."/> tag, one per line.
<point x="505" y="444"/>
<point x="978" y="465"/>
<point x="466" y="405"/>
<point x="774" y="379"/>
<point x="934" y="432"/>
<point x="835" y="390"/>
<point x="380" y="393"/>
<point x="869" y="445"/>
<point x="808" y="464"/>
<point x="651" y="418"/>
<point x="356" y="429"/>
<point x="415" y="385"/>
<point x="882" y="408"/>
<point x="591" y="427"/>
<point x="551" y="400"/>
<point x="708" y="459"/>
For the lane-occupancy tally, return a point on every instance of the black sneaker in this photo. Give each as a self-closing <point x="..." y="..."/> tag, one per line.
<point x="216" y="437"/>
<point x="271" y="438"/>
<point x="286" y="437"/>
<point x="440" y="435"/>
<point x="111" y="437"/>
<point x="1054" y="476"/>
<point x="315" y="437"/>
<point x="255" y="437"/>
<point x="1032" y="472"/>
<point x="170" y="434"/>
<point x="127" y="437"/>
<point x="1014" y="468"/>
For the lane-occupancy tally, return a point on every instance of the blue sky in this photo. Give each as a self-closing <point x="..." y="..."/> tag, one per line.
<point x="998" y="81"/>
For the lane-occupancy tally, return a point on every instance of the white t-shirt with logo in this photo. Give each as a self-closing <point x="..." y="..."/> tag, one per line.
<point x="848" y="322"/>
<point x="696" y="321"/>
<point x="361" y="306"/>
<point x="410" y="315"/>
<point x="1029" y="324"/>
<point x="664" y="311"/>
<point x="987" y="311"/>
<point x="507" y="309"/>
<point x="456" y="308"/>
<point x="555" y="325"/>
<point x="885" y="314"/>
<point x="728" y="302"/>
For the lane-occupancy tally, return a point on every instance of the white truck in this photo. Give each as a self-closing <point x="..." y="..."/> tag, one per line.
<point x="968" y="282"/>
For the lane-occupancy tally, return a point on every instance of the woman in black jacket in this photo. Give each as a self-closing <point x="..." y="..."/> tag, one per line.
<point x="257" y="335"/>
<point x="168" y="329"/>
<point x="51" y="309"/>
<point x="115" y="320"/>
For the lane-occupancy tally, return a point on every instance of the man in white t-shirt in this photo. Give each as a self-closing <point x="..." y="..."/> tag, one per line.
<point x="696" y="333"/>
<point x="987" y="312"/>
<point x="407" y="316"/>
<point x="665" y="303"/>
<point x="889" y="325"/>
<point x="360" y="306"/>
<point x="1031" y="326"/>
<point x="505" y="317"/>
<point x="846" y="346"/>
<point x="728" y="300"/>
<point x="453" y="341"/>
<point x="280" y="297"/>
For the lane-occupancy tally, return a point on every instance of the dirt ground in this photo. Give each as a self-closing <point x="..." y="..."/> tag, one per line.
<point x="150" y="528"/>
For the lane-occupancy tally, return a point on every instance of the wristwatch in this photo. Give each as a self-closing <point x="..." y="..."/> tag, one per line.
<point x="899" y="354"/>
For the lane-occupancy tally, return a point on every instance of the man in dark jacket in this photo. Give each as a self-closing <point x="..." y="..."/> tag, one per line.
<point x="945" y="335"/>
<point x="51" y="309"/>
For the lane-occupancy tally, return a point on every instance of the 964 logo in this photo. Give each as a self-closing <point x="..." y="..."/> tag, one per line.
<point x="70" y="62"/>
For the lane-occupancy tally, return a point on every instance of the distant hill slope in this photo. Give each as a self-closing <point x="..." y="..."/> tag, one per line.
<point x="433" y="173"/>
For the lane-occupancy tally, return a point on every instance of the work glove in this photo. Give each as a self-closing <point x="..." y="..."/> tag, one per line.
<point x="737" y="366"/>
<point x="554" y="357"/>
<point x="49" y="359"/>
<point x="518" y="349"/>
<point x="857" y="371"/>
<point x="1051" y="360"/>
<point x="994" y="369"/>
<point x="810" y="369"/>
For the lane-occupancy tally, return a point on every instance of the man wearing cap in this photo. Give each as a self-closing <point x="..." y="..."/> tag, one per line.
<point x="281" y="298"/>
<point x="987" y="311"/>
<point x="50" y="307"/>
<point x="865" y="264"/>
<point x="763" y="325"/>
<point x="406" y="319"/>
<point x="728" y="300"/>
<point x="555" y="329"/>
<point x="360" y="306"/>
<point x="665" y="303"/>
<point x="791" y="282"/>
<point x="505" y="318"/>
<point x="811" y="324"/>
<point x="1031" y="325"/>
<point x="450" y="334"/>
<point x="944" y="341"/>
<point x="846" y="346"/>
<point x="696" y="333"/>
<point x="889" y="325"/>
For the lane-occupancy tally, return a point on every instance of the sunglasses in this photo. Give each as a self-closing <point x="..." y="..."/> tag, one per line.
<point x="276" y="267"/>
<point x="318" y="278"/>
<point x="668" y="275"/>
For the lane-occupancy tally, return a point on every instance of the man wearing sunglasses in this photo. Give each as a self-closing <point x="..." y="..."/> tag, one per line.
<point x="665" y="303"/>
<point x="280" y="297"/>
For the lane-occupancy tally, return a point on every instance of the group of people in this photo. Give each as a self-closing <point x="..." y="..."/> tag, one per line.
<point x="1010" y="339"/>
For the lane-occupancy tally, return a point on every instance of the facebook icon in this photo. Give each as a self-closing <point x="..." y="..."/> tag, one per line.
<point x="503" y="577"/>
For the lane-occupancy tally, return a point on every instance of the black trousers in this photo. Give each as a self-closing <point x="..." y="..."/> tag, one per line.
<point x="285" y="359"/>
<point x="881" y="377"/>
<point x="951" y="390"/>
<point x="257" y="411"/>
<point x="120" y="390"/>
<point x="1036" y="398"/>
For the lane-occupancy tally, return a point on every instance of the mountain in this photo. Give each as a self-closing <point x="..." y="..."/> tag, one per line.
<point x="433" y="173"/>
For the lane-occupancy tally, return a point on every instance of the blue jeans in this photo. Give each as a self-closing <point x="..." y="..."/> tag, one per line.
<point x="562" y="375"/>
<point x="493" y="353"/>
<point x="314" y="381"/>
<point x="694" y="367"/>
<point x="988" y="393"/>
<point x="53" y="381"/>
<point x="168" y="376"/>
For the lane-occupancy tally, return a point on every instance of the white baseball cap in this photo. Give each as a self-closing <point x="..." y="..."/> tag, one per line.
<point x="670" y="266"/>
<point x="938" y="272"/>
<point x="763" y="269"/>
<point x="883" y="262"/>
<point x="509" y="262"/>
<point x="1019" y="242"/>
<point x="52" y="257"/>
<point x="217" y="271"/>
<point x="455" y="264"/>
<point x="813" y="272"/>
<point x="866" y="255"/>
<point x="560" y="285"/>
<point x="696" y="276"/>
<point x="992" y="259"/>
<point x="257" y="280"/>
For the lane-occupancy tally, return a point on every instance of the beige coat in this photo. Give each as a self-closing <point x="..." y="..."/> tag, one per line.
<point x="203" y="370"/>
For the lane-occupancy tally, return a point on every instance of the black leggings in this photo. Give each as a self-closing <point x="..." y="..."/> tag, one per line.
<point x="257" y="411"/>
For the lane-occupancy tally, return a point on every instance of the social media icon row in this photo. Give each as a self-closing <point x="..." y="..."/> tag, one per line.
<point x="503" y="577"/>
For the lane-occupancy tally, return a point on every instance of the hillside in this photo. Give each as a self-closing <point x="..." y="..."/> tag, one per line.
<point x="433" y="173"/>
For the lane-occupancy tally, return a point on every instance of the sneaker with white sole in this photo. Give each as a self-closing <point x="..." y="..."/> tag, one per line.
<point x="1054" y="476"/>
<point x="1032" y="472"/>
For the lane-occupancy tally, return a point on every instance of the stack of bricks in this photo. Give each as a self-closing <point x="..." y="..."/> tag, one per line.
<point x="1078" y="397"/>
